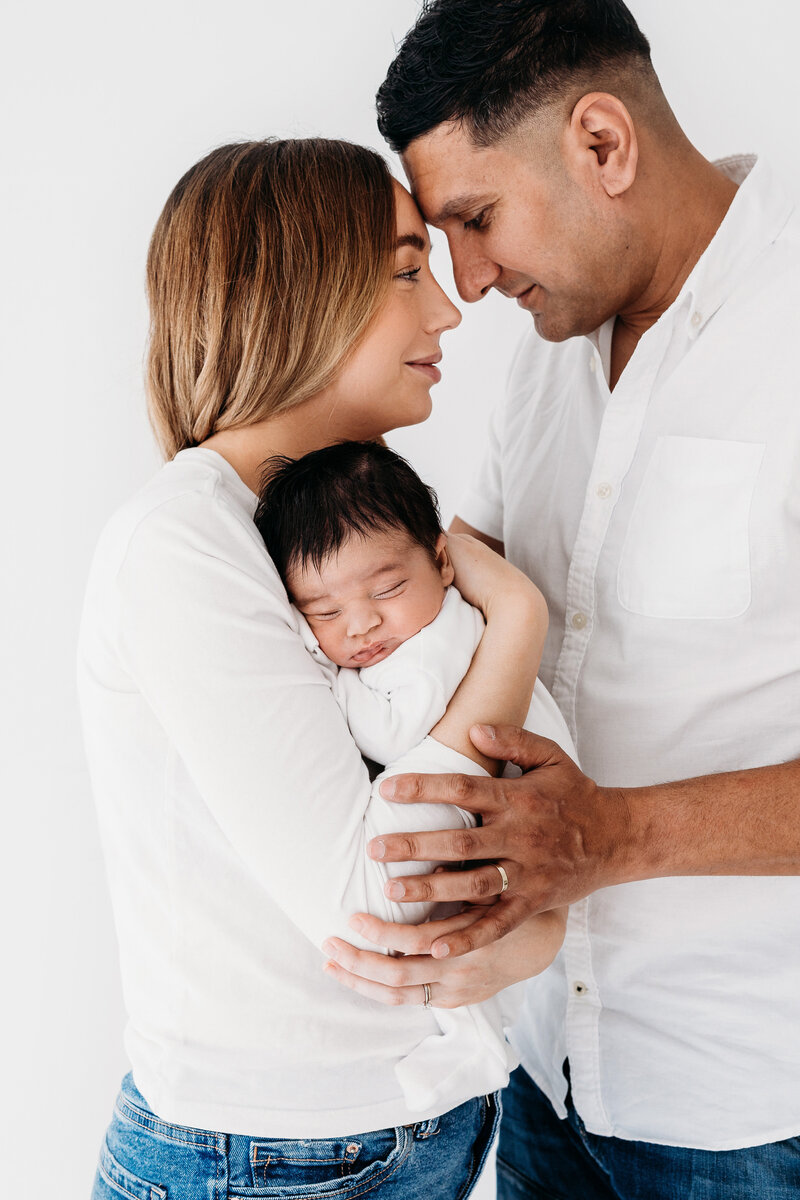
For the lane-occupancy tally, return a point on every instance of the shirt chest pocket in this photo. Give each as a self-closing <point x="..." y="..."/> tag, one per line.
<point x="687" y="550"/>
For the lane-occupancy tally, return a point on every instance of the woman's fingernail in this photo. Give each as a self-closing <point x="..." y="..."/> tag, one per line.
<point x="488" y="731"/>
<point x="377" y="849"/>
<point x="395" y="890"/>
<point x="440" y="950"/>
<point x="329" y="949"/>
<point x="388" y="788"/>
<point x="356" y="924"/>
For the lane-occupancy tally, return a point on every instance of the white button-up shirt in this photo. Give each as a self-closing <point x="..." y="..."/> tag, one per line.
<point x="662" y="523"/>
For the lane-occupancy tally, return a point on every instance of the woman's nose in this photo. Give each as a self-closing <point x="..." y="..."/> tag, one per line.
<point x="443" y="313"/>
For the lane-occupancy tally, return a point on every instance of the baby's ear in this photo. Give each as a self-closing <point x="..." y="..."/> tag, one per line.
<point x="443" y="560"/>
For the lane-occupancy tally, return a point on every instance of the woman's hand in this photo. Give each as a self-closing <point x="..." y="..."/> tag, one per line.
<point x="484" y="578"/>
<point x="473" y="977"/>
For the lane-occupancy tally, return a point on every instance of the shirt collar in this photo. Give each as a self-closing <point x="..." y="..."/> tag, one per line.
<point x="754" y="220"/>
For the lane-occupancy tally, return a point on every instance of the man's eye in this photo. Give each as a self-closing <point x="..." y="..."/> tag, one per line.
<point x="410" y="274"/>
<point x="478" y="222"/>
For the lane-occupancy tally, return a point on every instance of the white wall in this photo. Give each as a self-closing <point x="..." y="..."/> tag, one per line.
<point x="107" y="105"/>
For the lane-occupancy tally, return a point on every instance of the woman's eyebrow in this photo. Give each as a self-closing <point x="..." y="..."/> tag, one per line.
<point x="412" y="239"/>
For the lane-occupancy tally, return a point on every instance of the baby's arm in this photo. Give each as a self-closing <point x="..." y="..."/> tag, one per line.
<point x="392" y="706"/>
<point x="498" y="687"/>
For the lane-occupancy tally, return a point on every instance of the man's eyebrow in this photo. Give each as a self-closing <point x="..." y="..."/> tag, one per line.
<point x="412" y="239"/>
<point x="456" y="207"/>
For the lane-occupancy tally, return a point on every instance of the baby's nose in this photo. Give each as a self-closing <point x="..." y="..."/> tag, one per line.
<point x="362" y="620"/>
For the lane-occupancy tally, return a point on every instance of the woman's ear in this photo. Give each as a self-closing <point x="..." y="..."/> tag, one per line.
<point x="443" y="563"/>
<point x="602" y="138"/>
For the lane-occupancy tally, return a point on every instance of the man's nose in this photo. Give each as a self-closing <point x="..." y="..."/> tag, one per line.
<point x="473" y="272"/>
<point x="362" y="619"/>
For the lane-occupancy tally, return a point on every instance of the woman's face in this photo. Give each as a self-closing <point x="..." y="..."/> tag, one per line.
<point x="386" y="382"/>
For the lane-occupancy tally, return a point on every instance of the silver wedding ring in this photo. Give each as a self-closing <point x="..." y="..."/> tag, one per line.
<point x="503" y="876"/>
<point x="426" y="1003"/>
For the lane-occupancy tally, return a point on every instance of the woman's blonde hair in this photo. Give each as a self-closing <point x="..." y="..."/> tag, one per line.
<point x="265" y="268"/>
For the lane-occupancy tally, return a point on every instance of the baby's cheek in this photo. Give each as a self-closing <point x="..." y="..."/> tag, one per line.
<point x="330" y="644"/>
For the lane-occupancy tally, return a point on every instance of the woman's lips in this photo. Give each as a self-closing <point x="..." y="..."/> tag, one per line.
<point x="429" y="369"/>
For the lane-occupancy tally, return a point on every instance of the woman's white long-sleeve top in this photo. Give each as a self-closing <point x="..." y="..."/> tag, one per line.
<point x="235" y="809"/>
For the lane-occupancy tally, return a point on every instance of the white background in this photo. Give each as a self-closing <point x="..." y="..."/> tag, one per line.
<point x="105" y="106"/>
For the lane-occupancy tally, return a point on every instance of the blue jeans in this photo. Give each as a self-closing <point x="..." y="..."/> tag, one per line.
<point x="144" y="1158"/>
<point x="541" y="1156"/>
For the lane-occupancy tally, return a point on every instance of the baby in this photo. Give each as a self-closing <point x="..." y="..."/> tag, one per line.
<point x="356" y="537"/>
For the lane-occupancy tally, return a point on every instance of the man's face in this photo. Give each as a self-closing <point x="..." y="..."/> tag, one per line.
<point x="522" y="219"/>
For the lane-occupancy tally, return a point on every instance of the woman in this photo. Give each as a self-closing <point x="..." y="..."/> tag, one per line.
<point x="292" y="306"/>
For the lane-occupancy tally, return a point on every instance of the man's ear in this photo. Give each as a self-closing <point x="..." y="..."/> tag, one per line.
<point x="443" y="563"/>
<point x="602" y="138"/>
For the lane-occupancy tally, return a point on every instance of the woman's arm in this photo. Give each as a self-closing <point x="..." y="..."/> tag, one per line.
<point x="201" y="624"/>
<point x="526" y="951"/>
<point x="208" y="638"/>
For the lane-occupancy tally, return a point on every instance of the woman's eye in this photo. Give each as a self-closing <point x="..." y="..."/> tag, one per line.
<point x="478" y="222"/>
<point x="410" y="273"/>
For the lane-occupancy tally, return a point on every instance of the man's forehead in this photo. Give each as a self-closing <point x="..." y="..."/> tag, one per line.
<point x="450" y="175"/>
<point x="447" y="173"/>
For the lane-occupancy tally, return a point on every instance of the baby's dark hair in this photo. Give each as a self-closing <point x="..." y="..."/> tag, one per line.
<point x="310" y="506"/>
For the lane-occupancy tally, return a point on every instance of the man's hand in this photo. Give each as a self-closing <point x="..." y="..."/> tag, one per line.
<point x="466" y="980"/>
<point x="557" y="835"/>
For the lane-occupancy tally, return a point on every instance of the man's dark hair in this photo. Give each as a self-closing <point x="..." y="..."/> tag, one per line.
<point x="310" y="506"/>
<point x="489" y="63"/>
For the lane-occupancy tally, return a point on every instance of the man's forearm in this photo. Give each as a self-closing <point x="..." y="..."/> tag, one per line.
<point x="737" y="823"/>
<point x="559" y="837"/>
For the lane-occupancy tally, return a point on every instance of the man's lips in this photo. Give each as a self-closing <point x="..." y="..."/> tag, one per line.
<point x="525" y="299"/>
<point x="427" y="366"/>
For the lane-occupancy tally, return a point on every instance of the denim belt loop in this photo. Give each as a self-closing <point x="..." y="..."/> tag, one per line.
<point x="425" y="1129"/>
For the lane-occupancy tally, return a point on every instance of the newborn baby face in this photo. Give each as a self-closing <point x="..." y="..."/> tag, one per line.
<point x="372" y="596"/>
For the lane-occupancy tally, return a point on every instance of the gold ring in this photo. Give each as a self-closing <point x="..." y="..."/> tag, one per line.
<point x="503" y="876"/>
<point x="426" y="1003"/>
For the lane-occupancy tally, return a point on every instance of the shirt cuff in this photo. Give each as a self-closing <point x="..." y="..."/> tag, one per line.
<point x="434" y="758"/>
<point x="481" y="514"/>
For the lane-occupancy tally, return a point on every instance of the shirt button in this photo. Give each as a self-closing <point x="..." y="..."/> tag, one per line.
<point x="579" y="620"/>
<point x="592" y="365"/>
<point x="580" y="989"/>
<point x="697" y="319"/>
<point x="604" y="490"/>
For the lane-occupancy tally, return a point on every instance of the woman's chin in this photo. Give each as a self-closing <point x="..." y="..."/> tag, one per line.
<point x="414" y="414"/>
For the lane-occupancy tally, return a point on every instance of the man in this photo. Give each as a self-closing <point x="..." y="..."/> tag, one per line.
<point x="643" y="471"/>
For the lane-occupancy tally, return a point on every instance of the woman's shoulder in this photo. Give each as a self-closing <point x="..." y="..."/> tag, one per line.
<point x="195" y="503"/>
